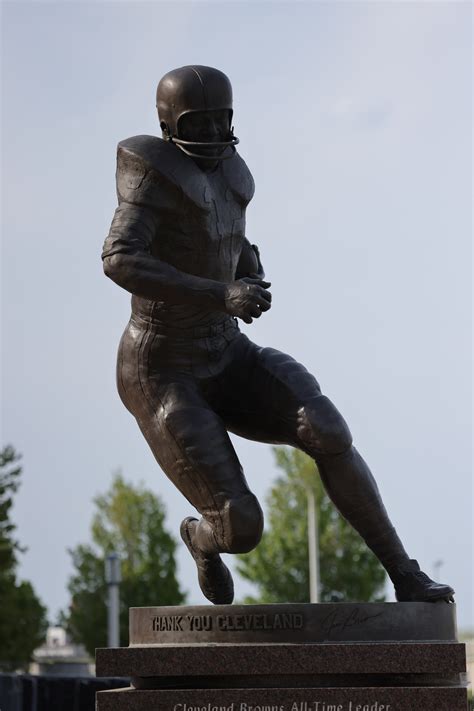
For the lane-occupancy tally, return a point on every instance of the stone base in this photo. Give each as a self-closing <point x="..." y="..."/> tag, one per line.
<point x="325" y="659"/>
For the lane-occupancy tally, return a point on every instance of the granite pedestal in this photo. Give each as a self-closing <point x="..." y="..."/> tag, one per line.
<point x="294" y="657"/>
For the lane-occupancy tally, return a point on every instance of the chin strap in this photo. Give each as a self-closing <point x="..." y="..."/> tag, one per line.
<point x="185" y="146"/>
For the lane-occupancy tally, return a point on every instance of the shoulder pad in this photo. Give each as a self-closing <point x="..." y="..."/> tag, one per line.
<point x="145" y="171"/>
<point x="151" y="151"/>
<point x="151" y="171"/>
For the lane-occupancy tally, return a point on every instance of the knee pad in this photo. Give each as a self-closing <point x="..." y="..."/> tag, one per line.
<point x="321" y="427"/>
<point x="242" y="524"/>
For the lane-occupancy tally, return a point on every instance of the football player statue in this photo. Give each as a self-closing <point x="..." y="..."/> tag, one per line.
<point x="178" y="244"/>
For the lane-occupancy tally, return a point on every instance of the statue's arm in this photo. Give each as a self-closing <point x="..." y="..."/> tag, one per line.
<point x="249" y="262"/>
<point x="128" y="261"/>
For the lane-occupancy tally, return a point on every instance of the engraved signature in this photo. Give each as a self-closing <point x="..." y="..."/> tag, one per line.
<point x="337" y="621"/>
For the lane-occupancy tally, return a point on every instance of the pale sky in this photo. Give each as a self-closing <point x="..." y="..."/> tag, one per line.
<point x="355" y="120"/>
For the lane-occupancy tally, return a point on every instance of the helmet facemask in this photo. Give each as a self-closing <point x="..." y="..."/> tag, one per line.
<point x="212" y="129"/>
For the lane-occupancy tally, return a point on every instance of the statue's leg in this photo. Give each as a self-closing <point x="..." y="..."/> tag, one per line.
<point x="285" y="404"/>
<point x="193" y="448"/>
<point x="323" y="433"/>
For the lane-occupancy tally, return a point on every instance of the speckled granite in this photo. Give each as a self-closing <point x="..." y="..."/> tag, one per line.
<point x="309" y="668"/>
<point x="348" y="699"/>
<point x="444" y="658"/>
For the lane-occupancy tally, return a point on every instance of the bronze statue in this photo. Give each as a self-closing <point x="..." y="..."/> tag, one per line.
<point x="186" y="372"/>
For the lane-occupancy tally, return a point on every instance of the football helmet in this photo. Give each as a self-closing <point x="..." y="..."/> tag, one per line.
<point x="188" y="90"/>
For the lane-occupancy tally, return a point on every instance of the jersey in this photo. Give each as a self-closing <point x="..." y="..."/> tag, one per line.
<point x="173" y="211"/>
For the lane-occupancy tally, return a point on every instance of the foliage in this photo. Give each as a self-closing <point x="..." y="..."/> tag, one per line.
<point x="279" y="565"/>
<point x="130" y="521"/>
<point x="10" y="472"/>
<point x="22" y="616"/>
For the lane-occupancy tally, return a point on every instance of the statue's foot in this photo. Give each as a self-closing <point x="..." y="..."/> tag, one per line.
<point x="412" y="585"/>
<point x="215" y="579"/>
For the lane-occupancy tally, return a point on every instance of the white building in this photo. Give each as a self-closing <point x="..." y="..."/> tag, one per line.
<point x="60" y="657"/>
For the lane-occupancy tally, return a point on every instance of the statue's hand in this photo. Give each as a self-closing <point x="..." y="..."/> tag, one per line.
<point x="247" y="298"/>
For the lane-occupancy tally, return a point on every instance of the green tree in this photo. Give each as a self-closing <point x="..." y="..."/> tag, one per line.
<point x="279" y="565"/>
<point x="129" y="520"/>
<point x="23" y="620"/>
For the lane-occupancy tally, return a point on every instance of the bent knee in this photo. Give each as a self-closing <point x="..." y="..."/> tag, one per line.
<point x="183" y="421"/>
<point x="322" y="429"/>
<point x="242" y="520"/>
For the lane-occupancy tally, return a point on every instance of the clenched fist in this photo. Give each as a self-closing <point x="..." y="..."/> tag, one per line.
<point x="247" y="298"/>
